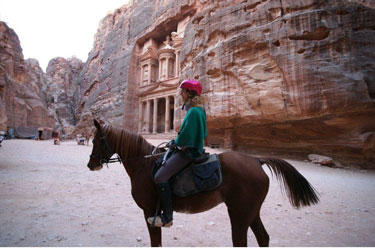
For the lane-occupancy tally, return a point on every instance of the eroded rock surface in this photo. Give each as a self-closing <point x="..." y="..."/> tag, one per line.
<point x="282" y="77"/>
<point x="21" y="82"/>
<point x="63" y="86"/>
<point x="287" y="78"/>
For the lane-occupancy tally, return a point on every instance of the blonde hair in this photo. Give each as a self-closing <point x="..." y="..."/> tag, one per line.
<point x="196" y="101"/>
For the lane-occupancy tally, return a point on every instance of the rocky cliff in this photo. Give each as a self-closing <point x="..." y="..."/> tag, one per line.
<point x="62" y="86"/>
<point x="109" y="78"/>
<point x="22" y="100"/>
<point x="281" y="77"/>
<point x="287" y="77"/>
<point x="32" y="98"/>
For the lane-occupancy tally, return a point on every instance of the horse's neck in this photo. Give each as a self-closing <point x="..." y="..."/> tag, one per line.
<point x="131" y="148"/>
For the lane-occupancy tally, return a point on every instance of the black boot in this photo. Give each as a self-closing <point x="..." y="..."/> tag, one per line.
<point x="165" y="196"/>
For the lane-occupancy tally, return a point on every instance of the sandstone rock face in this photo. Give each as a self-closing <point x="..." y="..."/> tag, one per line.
<point x="109" y="78"/>
<point x="288" y="78"/>
<point x="62" y="86"/>
<point x="21" y="82"/>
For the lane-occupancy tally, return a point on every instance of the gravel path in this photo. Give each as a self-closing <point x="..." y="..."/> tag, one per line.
<point x="48" y="197"/>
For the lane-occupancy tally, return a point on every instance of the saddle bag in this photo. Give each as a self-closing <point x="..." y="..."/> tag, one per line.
<point x="195" y="178"/>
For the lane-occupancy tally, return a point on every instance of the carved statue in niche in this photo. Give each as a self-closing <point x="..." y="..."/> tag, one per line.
<point x="177" y="40"/>
<point x="153" y="73"/>
<point x="167" y="42"/>
<point x="171" y="68"/>
<point x="145" y="75"/>
<point x="162" y="69"/>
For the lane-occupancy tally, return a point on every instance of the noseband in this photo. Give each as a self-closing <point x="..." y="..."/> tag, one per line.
<point x="105" y="147"/>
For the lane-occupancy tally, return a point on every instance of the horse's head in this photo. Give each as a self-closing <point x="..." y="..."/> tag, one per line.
<point x="101" y="152"/>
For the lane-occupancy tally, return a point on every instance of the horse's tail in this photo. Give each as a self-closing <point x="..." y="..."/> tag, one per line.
<point x="299" y="190"/>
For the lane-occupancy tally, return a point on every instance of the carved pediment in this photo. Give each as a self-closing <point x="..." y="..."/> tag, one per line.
<point x="157" y="87"/>
<point x="150" y="53"/>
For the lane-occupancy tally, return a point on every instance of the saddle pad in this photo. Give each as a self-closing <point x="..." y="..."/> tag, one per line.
<point x="202" y="177"/>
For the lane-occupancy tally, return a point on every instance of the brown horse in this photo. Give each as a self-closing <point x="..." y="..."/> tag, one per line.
<point x="243" y="191"/>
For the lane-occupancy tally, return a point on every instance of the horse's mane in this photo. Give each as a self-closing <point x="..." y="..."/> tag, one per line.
<point x="125" y="143"/>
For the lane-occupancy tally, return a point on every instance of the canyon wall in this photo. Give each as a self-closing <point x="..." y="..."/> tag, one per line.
<point x="22" y="102"/>
<point x="109" y="82"/>
<point x="61" y="92"/>
<point x="285" y="78"/>
<point x="31" y="98"/>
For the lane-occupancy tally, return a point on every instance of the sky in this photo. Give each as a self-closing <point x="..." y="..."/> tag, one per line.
<point x="56" y="28"/>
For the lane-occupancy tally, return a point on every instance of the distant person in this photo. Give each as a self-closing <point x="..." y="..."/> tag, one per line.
<point x="56" y="137"/>
<point x="2" y="137"/>
<point x="56" y="141"/>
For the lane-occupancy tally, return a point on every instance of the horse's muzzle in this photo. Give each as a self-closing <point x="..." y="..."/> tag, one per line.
<point x="97" y="168"/>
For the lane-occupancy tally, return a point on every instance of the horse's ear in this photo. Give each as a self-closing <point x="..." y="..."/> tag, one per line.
<point x="97" y="125"/>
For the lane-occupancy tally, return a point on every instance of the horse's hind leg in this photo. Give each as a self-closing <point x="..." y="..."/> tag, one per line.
<point x="239" y="223"/>
<point x="260" y="232"/>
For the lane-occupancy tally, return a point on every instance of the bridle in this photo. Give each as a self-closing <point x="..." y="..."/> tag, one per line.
<point x="105" y="148"/>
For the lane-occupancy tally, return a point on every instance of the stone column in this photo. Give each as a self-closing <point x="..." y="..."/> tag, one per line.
<point x="167" y="69"/>
<point x="142" y="74"/>
<point x="177" y="62"/>
<point x="160" y="69"/>
<point x="149" y="73"/>
<point x="140" y="117"/>
<point x="148" y="106"/>
<point x="155" y="120"/>
<point x="167" y="115"/>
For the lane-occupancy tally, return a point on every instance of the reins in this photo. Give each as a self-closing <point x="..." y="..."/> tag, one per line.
<point x="153" y="153"/>
<point x="105" y="146"/>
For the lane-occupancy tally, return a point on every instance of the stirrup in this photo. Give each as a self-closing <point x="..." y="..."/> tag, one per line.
<point x="159" y="222"/>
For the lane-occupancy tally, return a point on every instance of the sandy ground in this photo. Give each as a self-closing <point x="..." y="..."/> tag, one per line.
<point x="48" y="197"/>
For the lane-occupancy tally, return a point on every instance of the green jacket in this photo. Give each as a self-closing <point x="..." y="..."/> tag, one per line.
<point x="192" y="132"/>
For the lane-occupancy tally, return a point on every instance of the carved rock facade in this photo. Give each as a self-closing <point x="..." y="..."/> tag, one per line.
<point x="136" y="67"/>
<point x="288" y="78"/>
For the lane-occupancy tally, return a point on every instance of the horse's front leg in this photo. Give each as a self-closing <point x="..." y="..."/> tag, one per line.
<point x="155" y="233"/>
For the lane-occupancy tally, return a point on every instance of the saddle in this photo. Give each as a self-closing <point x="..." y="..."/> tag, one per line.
<point x="202" y="175"/>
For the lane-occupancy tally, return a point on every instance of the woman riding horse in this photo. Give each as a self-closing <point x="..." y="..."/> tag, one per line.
<point x="243" y="191"/>
<point x="189" y="143"/>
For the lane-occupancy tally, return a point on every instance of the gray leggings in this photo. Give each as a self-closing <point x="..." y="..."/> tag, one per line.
<point x="173" y="165"/>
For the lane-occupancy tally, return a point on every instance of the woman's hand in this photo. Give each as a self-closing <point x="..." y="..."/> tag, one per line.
<point x="171" y="144"/>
